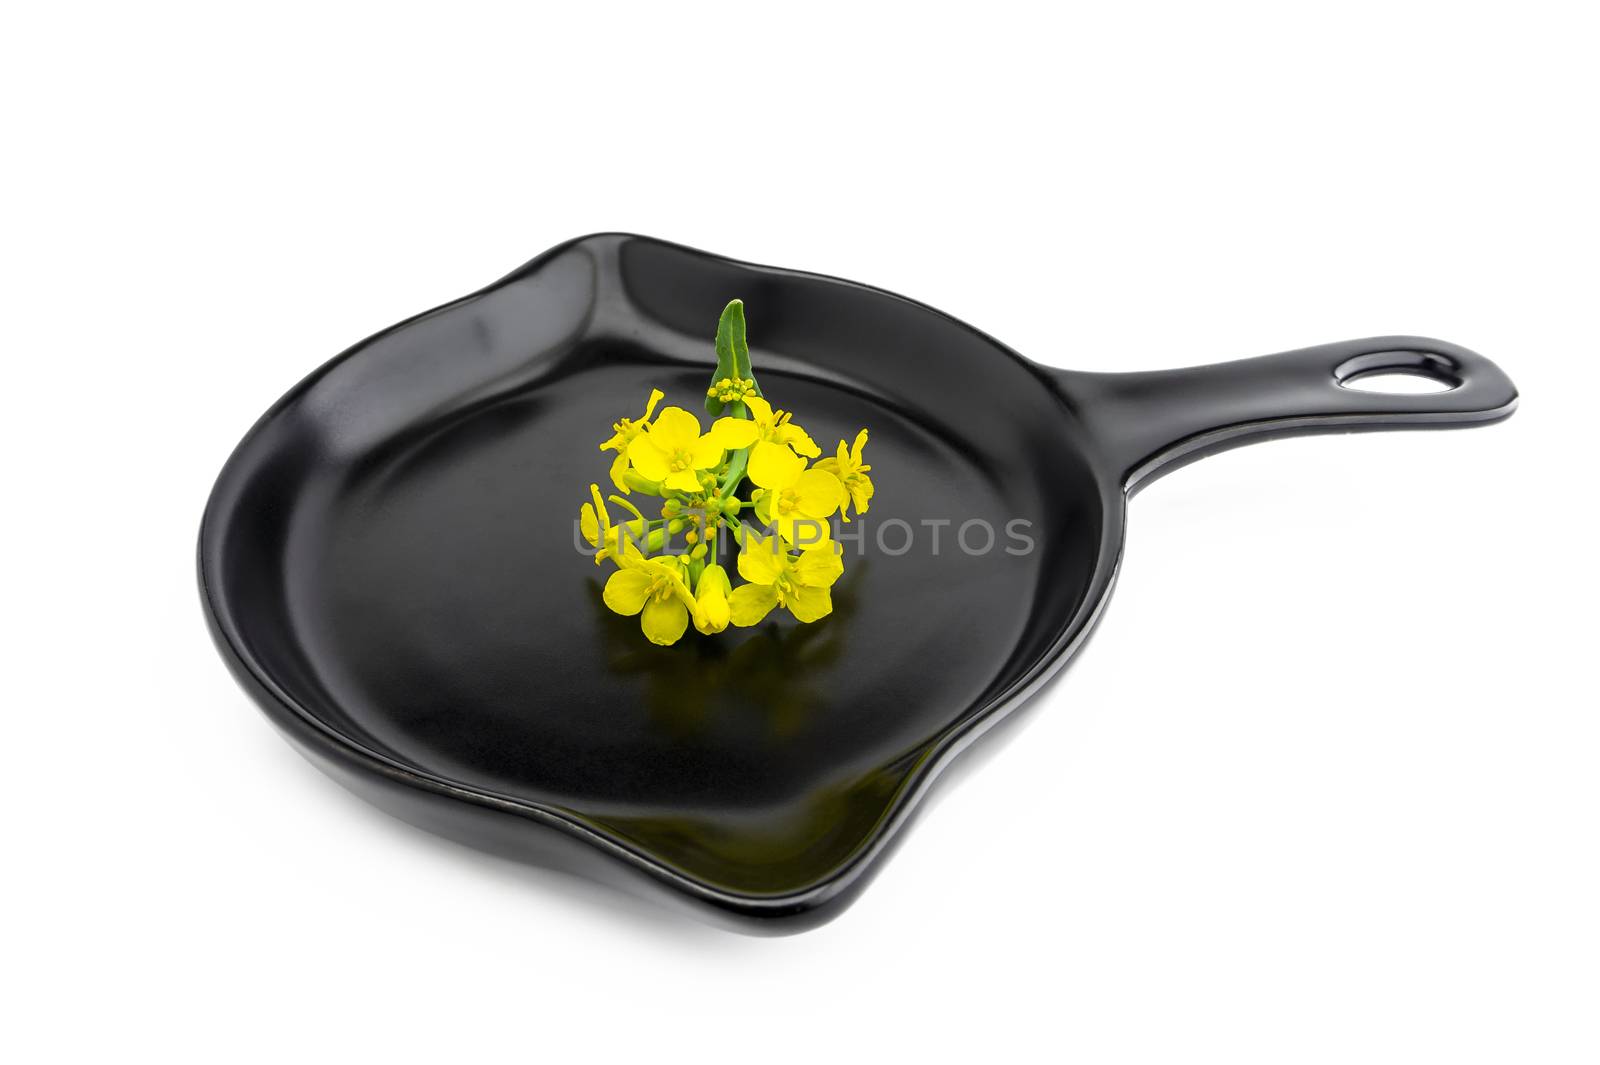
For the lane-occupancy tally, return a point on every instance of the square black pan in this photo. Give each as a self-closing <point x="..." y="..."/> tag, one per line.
<point x="387" y="562"/>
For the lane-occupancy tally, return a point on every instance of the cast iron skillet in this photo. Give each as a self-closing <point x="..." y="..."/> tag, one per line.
<point x="387" y="562"/>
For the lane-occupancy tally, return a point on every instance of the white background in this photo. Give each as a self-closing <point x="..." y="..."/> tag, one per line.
<point x="1323" y="788"/>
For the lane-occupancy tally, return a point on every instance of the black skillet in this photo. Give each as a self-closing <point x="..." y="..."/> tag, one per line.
<point x="388" y="563"/>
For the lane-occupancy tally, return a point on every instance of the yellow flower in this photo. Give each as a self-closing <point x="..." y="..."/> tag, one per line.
<point x="712" y="595"/>
<point x="624" y="430"/>
<point x="594" y="522"/>
<point x="671" y="450"/>
<point x="655" y="589"/>
<point x="623" y="433"/>
<point x="795" y="501"/>
<point x="764" y="423"/>
<point x="852" y="473"/>
<point x="778" y="578"/>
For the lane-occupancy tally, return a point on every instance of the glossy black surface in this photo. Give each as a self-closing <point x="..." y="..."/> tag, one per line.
<point x="388" y="563"/>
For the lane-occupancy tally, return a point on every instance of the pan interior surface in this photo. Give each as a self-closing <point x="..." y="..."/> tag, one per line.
<point x="398" y="554"/>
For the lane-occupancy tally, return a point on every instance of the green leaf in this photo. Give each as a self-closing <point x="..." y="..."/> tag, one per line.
<point x="732" y="348"/>
<point x="733" y="351"/>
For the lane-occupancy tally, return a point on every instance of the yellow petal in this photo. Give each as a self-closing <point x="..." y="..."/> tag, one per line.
<point x="749" y="603"/>
<point x="602" y="522"/>
<point x="818" y="493"/>
<point x="803" y="531"/>
<point x="760" y="560"/>
<point x="680" y="588"/>
<point x="626" y="591"/>
<point x="861" y="442"/>
<point x="683" y="481"/>
<point x="759" y="409"/>
<point x="798" y="439"/>
<point x="589" y="525"/>
<point x="647" y="458"/>
<point x="619" y="470"/>
<point x="675" y="429"/>
<point x="809" y="604"/>
<point x="860" y="492"/>
<point x="706" y="454"/>
<point x="656" y="396"/>
<point x="775" y="467"/>
<point x="664" y="620"/>
<point x="764" y="508"/>
<point x="734" y="433"/>
<point x="819" y="566"/>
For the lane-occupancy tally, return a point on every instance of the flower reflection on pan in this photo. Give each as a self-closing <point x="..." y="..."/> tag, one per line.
<point x="772" y="670"/>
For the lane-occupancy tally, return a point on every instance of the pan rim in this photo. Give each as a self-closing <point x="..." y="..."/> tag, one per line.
<point x="939" y="751"/>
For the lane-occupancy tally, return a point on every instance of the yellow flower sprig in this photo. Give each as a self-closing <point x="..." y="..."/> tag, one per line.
<point x="668" y="567"/>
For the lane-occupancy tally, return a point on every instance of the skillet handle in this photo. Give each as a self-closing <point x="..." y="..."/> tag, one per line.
<point x="1153" y="422"/>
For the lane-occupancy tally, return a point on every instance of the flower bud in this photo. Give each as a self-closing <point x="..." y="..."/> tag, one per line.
<point x="711" y="592"/>
<point x="640" y="483"/>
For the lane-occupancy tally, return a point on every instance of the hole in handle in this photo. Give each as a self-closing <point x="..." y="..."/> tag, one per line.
<point x="1397" y="383"/>
<point x="1398" y="373"/>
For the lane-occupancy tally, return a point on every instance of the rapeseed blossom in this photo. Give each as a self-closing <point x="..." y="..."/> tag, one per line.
<point x="669" y="568"/>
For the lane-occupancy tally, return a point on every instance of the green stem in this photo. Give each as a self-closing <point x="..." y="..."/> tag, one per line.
<point x="740" y="460"/>
<point x="735" y="474"/>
